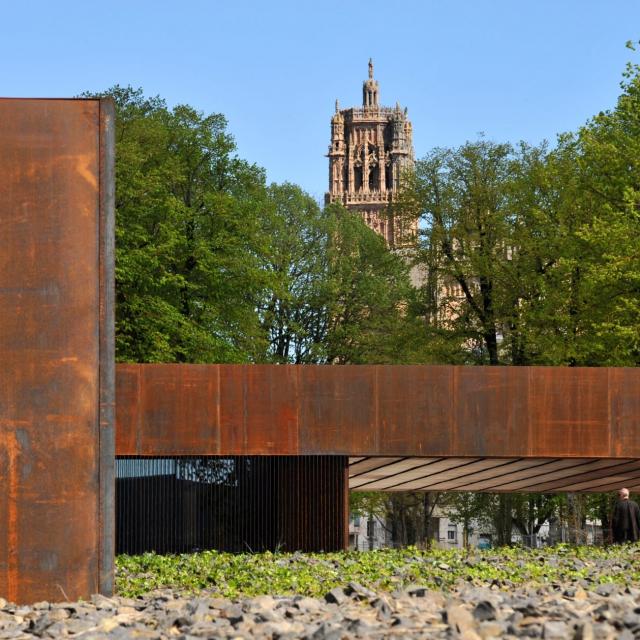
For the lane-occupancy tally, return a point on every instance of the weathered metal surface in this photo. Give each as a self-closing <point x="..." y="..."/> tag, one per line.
<point x="107" y="354"/>
<point x="56" y="346"/>
<point x="417" y="411"/>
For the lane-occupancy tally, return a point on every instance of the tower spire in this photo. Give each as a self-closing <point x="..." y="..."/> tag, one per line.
<point x="370" y="89"/>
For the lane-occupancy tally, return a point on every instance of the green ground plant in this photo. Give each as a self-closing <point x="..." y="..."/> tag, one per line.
<point x="245" y="575"/>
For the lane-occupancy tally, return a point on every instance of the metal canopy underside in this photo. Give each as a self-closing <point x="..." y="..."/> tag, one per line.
<point x="492" y="474"/>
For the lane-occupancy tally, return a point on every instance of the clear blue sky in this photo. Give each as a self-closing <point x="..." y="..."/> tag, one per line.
<point x="513" y="69"/>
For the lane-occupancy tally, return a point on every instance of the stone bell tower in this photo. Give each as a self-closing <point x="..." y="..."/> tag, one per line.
<point x="371" y="146"/>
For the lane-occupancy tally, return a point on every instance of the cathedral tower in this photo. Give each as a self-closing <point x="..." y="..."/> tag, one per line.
<point x="371" y="146"/>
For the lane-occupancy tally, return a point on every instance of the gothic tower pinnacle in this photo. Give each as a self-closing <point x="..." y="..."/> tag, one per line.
<point x="370" y="89"/>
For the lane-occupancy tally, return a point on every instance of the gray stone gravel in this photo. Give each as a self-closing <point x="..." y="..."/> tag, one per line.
<point x="353" y="611"/>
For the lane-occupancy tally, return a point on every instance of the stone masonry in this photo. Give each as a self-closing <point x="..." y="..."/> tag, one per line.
<point x="371" y="147"/>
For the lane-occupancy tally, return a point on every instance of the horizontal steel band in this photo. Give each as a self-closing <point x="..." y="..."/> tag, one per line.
<point x="417" y="411"/>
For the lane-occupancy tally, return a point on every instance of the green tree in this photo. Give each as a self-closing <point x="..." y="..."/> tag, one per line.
<point x="578" y="205"/>
<point x="337" y="294"/>
<point x="530" y="511"/>
<point x="609" y="175"/>
<point x="468" y="509"/>
<point x="295" y="311"/>
<point x="530" y="254"/>
<point x="461" y="197"/>
<point x="372" y="505"/>
<point x="188" y="236"/>
<point x="370" y="319"/>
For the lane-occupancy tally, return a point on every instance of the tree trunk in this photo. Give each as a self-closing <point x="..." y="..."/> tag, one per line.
<point x="370" y="531"/>
<point x="491" y="341"/>
<point x="504" y="522"/>
<point x="426" y="506"/>
<point x="394" y="527"/>
<point x="576" y="518"/>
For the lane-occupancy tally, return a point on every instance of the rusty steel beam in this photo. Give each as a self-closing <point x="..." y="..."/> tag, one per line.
<point x="56" y="347"/>
<point x="420" y="411"/>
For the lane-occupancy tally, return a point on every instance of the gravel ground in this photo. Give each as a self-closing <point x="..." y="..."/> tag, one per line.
<point x="352" y="611"/>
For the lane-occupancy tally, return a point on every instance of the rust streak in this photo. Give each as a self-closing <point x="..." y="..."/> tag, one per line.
<point x="9" y="444"/>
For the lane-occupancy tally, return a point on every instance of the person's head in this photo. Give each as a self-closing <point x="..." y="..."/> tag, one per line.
<point x="623" y="494"/>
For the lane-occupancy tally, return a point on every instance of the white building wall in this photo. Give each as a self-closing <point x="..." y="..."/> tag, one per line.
<point x="360" y="530"/>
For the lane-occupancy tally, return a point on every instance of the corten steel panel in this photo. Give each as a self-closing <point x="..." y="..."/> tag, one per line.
<point x="624" y="403"/>
<point x="389" y="411"/>
<point x="418" y="400"/>
<point x="180" y="394"/>
<point x="183" y="409"/>
<point x="490" y="407"/>
<point x="259" y="409"/>
<point x="56" y="345"/>
<point x="128" y="408"/>
<point x="338" y="410"/>
<point x="569" y="411"/>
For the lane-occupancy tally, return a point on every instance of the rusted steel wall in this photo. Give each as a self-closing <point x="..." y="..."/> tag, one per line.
<point x="377" y="411"/>
<point x="56" y="348"/>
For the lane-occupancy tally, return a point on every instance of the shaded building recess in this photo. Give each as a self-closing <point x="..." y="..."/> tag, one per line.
<point x="237" y="503"/>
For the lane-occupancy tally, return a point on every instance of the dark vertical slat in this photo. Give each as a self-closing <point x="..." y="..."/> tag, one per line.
<point x="241" y="504"/>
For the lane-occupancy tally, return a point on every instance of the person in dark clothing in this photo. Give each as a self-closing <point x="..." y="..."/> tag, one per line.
<point x="625" y="521"/>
